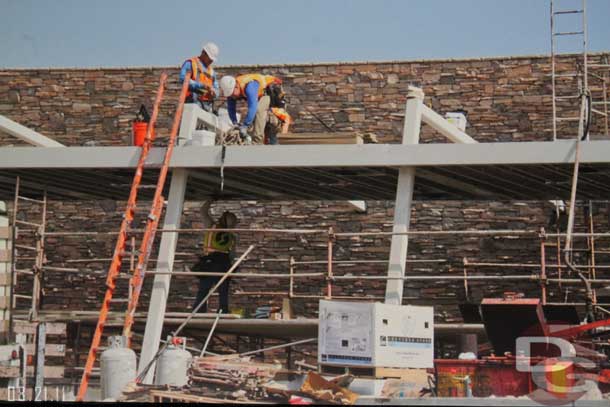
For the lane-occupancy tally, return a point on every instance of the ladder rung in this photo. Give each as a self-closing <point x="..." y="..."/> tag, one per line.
<point x="569" y="33"/>
<point x="22" y="246"/>
<point x="29" y="199"/>
<point x="567" y="97"/>
<point x="598" y="112"/>
<point x="567" y="119"/>
<point x="600" y="103"/>
<point x="29" y="297"/>
<point x="566" y="75"/>
<point x="22" y="222"/>
<point x="567" y="12"/>
<point x="598" y="65"/>
<point x="147" y="186"/>
<point x="23" y="271"/>
<point x="118" y="300"/>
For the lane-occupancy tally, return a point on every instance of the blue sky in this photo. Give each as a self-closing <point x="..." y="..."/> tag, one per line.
<point x="71" y="33"/>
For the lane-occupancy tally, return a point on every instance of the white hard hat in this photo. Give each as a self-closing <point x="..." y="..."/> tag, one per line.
<point x="212" y="50"/>
<point x="227" y="84"/>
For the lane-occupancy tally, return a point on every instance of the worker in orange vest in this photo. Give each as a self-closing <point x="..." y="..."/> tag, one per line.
<point x="203" y="86"/>
<point x="267" y="113"/>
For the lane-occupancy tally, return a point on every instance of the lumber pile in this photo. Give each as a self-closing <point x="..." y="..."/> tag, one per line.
<point x="327" y="138"/>
<point x="234" y="379"/>
<point x="241" y="374"/>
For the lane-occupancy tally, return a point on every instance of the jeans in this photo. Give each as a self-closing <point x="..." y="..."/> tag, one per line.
<point x="215" y="262"/>
<point x="205" y="285"/>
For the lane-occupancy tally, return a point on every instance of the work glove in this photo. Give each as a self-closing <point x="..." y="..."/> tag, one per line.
<point x="243" y="133"/>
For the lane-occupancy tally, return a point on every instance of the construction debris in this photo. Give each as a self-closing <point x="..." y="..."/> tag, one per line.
<point x="320" y="389"/>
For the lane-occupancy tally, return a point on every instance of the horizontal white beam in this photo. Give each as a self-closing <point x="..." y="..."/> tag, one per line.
<point x="26" y="134"/>
<point x="306" y="156"/>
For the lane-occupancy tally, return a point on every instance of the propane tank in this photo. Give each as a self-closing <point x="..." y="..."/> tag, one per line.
<point x="118" y="367"/>
<point x="173" y="364"/>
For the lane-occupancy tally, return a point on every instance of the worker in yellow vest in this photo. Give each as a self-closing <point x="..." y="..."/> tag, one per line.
<point x="218" y="257"/>
<point x="263" y="94"/>
<point x="203" y="86"/>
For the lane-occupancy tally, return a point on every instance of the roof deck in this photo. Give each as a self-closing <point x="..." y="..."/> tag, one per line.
<point x="483" y="171"/>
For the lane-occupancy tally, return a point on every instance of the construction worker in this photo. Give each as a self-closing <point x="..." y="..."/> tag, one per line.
<point x="203" y="86"/>
<point x="218" y="250"/>
<point x="264" y="95"/>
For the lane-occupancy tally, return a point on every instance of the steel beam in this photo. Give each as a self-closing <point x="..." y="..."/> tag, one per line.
<point x="404" y="199"/>
<point x="440" y="124"/>
<point x="307" y="156"/>
<point x="26" y="134"/>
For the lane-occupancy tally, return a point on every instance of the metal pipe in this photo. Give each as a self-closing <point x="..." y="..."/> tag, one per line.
<point x="568" y="243"/>
<point x="529" y="265"/>
<point x="329" y="282"/>
<point x="213" y="274"/>
<point x="502" y="232"/>
<point x="542" y="269"/>
<point x="438" y="277"/>
<point x="369" y="261"/>
<point x="207" y="340"/>
<point x="291" y="284"/>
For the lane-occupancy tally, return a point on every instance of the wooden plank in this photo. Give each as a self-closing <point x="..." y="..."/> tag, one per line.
<point x="372" y="371"/>
<point x="9" y="371"/>
<point x="41" y="341"/>
<point x="6" y="232"/>
<point x="4" y="324"/>
<point x="29" y="328"/>
<point x="50" y="372"/>
<point x="51" y="349"/>
<point x="4" y="302"/>
<point x="5" y="256"/>
<point x="5" y="278"/>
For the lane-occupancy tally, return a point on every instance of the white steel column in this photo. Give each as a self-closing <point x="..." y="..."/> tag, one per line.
<point x="404" y="199"/>
<point x="167" y="250"/>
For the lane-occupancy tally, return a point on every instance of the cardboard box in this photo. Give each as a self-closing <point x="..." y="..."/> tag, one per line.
<point x="375" y="335"/>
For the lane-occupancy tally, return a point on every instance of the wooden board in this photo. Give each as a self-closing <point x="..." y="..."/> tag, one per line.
<point x="50" y="349"/>
<point x="29" y="328"/>
<point x="50" y="372"/>
<point x="5" y="278"/>
<point x="4" y="324"/>
<point x="6" y="232"/>
<point x="371" y="372"/>
<point x="4" y="302"/>
<point x="5" y="256"/>
<point x="320" y="138"/>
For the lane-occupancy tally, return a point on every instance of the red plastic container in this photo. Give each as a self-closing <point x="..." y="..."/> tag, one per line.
<point x="493" y="376"/>
<point x="138" y="131"/>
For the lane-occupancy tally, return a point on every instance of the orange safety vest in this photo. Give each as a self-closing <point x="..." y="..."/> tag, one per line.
<point x="281" y="114"/>
<point x="263" y="82"/>
<point x="206" y="77"/>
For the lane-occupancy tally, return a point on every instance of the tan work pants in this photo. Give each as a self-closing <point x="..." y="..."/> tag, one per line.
<point x="264" y="120"/>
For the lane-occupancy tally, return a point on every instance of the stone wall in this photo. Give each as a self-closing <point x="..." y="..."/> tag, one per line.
<point x="506" y="100"/>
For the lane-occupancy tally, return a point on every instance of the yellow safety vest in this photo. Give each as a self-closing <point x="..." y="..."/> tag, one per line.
<point x="218" y="241"/>
<point x="263" y="82"/>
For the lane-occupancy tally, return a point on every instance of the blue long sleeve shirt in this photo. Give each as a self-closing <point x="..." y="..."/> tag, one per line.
<point x="251" y="98"/>
<point x="196" y="85"/>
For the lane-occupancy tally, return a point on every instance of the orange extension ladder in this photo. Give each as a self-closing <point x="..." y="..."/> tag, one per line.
<point x="148" y="237"/>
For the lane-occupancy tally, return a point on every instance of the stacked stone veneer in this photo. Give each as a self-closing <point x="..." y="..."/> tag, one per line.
<point x="507" y="99"/>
